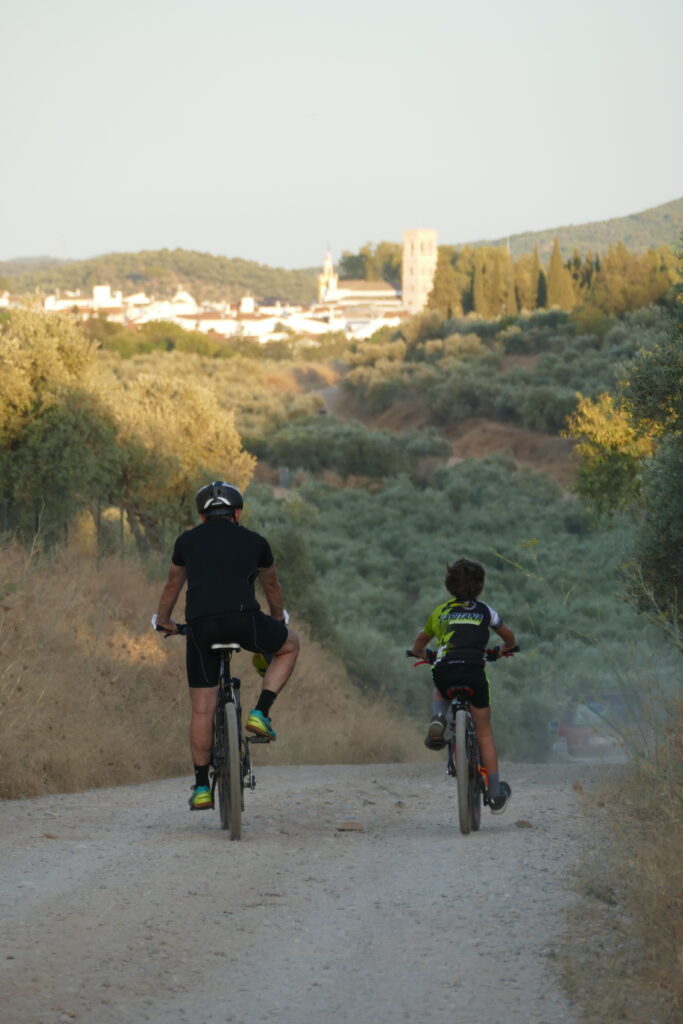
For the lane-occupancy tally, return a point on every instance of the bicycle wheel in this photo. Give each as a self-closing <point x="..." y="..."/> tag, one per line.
<point x="462" y="769"/>
<point x="474" y="782"/>
<point x="229" y="783"/>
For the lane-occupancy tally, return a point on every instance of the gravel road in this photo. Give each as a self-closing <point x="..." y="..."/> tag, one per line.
<point x="121" y="906"/>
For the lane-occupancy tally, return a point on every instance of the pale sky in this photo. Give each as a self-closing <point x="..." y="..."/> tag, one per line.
<point x="266" y="129"/>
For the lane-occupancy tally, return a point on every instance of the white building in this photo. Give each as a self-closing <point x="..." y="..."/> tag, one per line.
<point x="104" y="298"/>
<point x="342" y="294"/>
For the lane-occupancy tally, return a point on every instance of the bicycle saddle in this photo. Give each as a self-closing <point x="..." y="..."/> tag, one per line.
<point x="459" y="691"/>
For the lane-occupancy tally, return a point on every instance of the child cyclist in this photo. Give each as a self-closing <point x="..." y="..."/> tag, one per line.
<point x="461" y="629"/>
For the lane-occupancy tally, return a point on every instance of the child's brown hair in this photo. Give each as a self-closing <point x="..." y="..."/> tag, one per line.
<point x="465" y="579"/>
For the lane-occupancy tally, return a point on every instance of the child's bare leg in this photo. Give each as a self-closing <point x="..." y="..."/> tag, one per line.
<point x="498" y="793"/>
<point x="487" y="744"/>
<point x="439" y="703"/>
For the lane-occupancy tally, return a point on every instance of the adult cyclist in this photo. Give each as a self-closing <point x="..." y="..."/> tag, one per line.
<point x="220" y="561"/>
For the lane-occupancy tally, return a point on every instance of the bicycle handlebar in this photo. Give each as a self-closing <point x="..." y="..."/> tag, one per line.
<point x="180" y="628"/>
<point x="491" y="654"/>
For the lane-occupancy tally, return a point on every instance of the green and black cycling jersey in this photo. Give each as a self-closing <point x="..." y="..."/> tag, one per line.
<point x="461" y="629"/>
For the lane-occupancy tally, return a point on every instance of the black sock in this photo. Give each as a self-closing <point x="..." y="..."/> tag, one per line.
<point x="201" y="774"/>
<point x="265" y="702"/>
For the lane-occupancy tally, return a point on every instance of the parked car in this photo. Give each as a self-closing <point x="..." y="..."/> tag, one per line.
<point x="588" y="723"/>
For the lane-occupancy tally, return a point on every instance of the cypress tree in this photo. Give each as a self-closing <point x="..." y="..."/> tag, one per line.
<point x="479" y="300"/>
<point x="445" y="295"/>
<point x="567" y="296"/>
<point x="511" y="307"/>
<point x="497" y="294"/>
<point x="539" y="292"/>
<point x="555" y="275"/>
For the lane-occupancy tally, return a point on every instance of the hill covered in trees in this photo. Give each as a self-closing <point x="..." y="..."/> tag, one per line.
<point x="121" y="440"/>
<point x="160" y="273"/>
<point x="660" y="225"/>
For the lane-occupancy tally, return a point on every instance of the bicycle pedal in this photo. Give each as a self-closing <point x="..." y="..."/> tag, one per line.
<point x="259" y="739"/>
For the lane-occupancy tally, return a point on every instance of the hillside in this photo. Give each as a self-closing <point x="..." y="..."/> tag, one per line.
<point x="160" y="273"/>
<point x="660" y="225"/>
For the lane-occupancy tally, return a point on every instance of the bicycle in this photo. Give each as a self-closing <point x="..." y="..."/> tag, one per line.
<point x="464" y="760"/>
<point x="232" y="767"/>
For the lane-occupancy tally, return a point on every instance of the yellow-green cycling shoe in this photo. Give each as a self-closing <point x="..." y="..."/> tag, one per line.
<point x="201" y="799"/>
<point x="260" y="724"/>
<point x="261" y="663"/>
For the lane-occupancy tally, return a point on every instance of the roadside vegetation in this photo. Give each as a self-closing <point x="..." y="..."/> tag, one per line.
<point x="632" y="891"/>
<point x="622" y="954"/>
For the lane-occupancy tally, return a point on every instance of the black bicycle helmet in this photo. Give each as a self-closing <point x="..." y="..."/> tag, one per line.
<point x="218" y="499"/>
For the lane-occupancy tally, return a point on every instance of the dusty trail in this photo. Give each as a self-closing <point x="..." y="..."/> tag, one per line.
<point x="120" y="906"/>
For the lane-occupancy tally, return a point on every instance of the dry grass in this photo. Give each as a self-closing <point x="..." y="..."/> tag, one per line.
<point x="624" y="950"/>
<point x="89" y="696"/>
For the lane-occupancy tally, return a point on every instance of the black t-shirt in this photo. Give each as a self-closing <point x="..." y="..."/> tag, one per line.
<point x="222" y="560"/>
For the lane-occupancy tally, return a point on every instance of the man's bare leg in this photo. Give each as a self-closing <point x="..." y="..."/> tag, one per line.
<point x="282" y="665"/>
<point x="204" y="700"/>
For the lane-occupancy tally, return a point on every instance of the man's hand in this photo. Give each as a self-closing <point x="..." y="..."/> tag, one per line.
<point x="169" y="627"/>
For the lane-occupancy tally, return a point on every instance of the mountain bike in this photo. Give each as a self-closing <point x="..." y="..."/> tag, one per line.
<point x="464" y="760"/>
<point x="231" y="762"/>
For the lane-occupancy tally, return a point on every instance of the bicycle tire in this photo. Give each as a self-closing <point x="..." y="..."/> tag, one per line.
<point x="462" y="769"/>
<point x="229" y="781"/>
<point x="475" y="784"/>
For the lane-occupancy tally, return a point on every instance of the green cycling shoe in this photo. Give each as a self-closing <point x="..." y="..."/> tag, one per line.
<point x="201" y="799"/>
<point x="259" y="723"/>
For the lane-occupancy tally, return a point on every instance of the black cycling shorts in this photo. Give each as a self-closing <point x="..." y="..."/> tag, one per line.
<point x="473" y="675"/>
<point x="252" y="630"/>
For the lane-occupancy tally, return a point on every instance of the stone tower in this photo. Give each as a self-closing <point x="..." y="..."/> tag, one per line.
<point x="418" y="266"/>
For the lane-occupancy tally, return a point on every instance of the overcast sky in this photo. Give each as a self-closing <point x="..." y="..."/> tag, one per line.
<point x="266" y="129"/>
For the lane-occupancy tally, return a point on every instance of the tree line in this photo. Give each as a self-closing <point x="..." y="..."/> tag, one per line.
<point x="77" y="436"/>
<point x="631" y="443"/>
<point x="526" y="370"/>
<point x="488" y="282"/>
<point x="160" y="273"/>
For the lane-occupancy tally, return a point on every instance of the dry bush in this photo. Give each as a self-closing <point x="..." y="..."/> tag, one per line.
<point x="85" y="695"/>
<point x="90" y="696"/>
<point x="624" y="949"/>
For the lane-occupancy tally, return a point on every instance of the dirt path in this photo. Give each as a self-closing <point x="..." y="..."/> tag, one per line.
<point x="120" y="906"/>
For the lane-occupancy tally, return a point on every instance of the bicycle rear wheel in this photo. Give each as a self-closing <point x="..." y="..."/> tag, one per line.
<point x="229" y="782"/>
<point x="462" y="769"/>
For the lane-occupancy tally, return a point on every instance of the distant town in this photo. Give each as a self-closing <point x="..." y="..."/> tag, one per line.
<point x="355" y="307"/>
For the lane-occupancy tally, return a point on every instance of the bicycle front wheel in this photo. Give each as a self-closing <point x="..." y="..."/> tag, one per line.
<point x="229" y="784"/>
<point x="474" y="782"/>
<point x="462" y="770"/>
